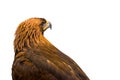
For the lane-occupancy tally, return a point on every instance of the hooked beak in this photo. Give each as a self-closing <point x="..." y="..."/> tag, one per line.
<point x="47" y="25"/>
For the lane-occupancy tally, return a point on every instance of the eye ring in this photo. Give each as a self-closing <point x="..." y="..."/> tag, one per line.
<point x="43" y="22"/>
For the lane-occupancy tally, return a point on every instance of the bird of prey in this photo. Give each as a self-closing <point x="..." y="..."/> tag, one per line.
<point x="37" y="59"/>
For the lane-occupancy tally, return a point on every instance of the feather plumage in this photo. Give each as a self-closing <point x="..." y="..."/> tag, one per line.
<point x="37" y="59"/>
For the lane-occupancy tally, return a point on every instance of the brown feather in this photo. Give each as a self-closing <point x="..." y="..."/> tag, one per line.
<point x="37" y="59"/>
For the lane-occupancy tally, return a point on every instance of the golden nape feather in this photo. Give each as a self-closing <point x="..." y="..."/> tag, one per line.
<point x="37" y="59"/>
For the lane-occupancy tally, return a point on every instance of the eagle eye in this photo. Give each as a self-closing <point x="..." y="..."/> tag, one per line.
<point x="43" y="22"/>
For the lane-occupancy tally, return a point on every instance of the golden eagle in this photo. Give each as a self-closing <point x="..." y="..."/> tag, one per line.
<point x="37" y="59"/>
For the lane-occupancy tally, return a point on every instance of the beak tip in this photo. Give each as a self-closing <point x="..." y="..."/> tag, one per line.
<point x="50" y="25"/>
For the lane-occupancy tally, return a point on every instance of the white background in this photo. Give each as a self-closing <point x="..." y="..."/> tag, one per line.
<point x="86" y="30"/>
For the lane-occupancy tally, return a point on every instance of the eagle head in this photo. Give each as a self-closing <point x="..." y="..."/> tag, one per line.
<point x="29" y="33"/>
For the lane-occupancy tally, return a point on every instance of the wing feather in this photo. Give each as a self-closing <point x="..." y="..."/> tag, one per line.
<point x="62" y="69"/>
